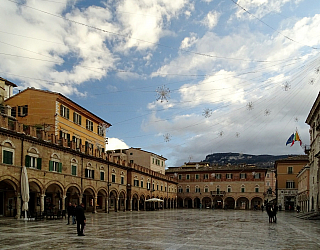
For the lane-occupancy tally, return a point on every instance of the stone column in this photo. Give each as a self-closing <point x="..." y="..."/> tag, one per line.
<point x="18" y="206"/>
<point x="192" y="203"/>
<point x="183" y="203"/>
<point x="42" y="202"/>
<point x="116" y="205"/>
<point x="144" y="205"/>
<point x="107" y="204"/>
<point x="130" y="204"/>
<point x="63" y="206"/>
<point x="249" y="204"/>
<point x="80" y="199"/>
<point x="95" y="204"/>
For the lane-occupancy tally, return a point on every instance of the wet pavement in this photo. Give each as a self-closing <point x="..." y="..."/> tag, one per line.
<point x="165" y="229"/>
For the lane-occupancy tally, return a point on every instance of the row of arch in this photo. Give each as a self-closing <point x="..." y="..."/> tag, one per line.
<point x="54" y="196"/>
<point x="218" y="202"/>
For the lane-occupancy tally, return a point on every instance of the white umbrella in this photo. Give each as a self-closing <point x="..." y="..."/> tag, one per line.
<point x="154" y="199"/>
<point x="24" y="191"/>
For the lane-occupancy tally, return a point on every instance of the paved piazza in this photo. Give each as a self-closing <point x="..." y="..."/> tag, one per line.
<point x="168" y="229"/>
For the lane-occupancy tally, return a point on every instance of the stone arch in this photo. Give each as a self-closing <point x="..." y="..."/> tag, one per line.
<point x="54" y="193"/>
<point x="12" y="181"/>
<point x="256" y="202"/>
<point x="73" y="192"/>
<point x="229" y="202"/>
<point x="180" y="202"/>
<point x="135" y="201"/>
<point x="35" y="195"/>
<point x="142" y="202"/>
<point x="196" y="202"/>
<point x="33" y="150"/>
<point x="6" y="142"/>
<point x="206" y="202"/>
<point x="89" y="198"/>
<point x="217" y="202"/>
<point x="55" y="156"/>
<point x="122" y="200"/>
<point x="188" y="202"/>
<point x="9" y="187"/>
<point x="102" y="196"/>
<point x="113" y="197"/>
<point x="242" y="203"/>
<point x="74" y="160"/>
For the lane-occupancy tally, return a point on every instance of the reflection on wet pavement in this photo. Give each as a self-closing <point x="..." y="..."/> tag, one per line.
<point x="165" y="229"/>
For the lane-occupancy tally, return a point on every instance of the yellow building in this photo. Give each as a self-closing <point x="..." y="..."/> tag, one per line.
<point x="57" y="114"/>
<point x="141" y="157"/>
<point x="303" y="188"/>
<point x="287" y="181"/>
<point x="206" y="186"/>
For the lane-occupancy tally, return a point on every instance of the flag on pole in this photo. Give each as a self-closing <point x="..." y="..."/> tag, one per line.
<point x="294" y="137"/>
<point x="297" y="138"/>
<point x="290" y="140"/>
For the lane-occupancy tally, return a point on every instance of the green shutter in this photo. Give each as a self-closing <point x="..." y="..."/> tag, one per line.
<point x="79" y="119"/>
<point x="39" y="162"/>
<point x="61" y="110"/>
<point x="86" y="173"/>
<point x="102" y="176"/>
<point x="50" y="165"/>
<point x="27" y="161"/>
<point x="7" y="157"/>
<point x="60" y="167"/>
<point x="67" y="113"/>
<point x="74" y="170"/>
<point x="92" y="174"/>
<point x="68" y="137"/>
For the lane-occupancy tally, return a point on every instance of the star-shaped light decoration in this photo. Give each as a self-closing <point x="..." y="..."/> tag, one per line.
<point x="197" y="166"/>
<point x="175" y="174"/>
<point x="296" y="119"/>
<point x="167" y="137"/>
<point x="312" y="81"/>
<point x="250" y="106"/>
<point x="286" y="86"/>
<point x="220" y="133"/>
<point x="267" y="112"/>
<point x="213" y="175"/>
<point x="253" y="173"/>
<point x="190" y="158"/>
<point x="317" y="70"/>
<point x="207" y="112"/>
<point x="163" y="93"/>
<point x="237" y="134"/>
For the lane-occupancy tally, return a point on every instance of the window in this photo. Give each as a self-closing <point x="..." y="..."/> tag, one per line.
<point x="64" y="111"/>
<point x="141" y="184"/>
<point x="100" y="130"/>
<point x="136" y="183"/>
<point x="122" y="180"/>
<point x="88" y="147"/>
<point x="243" y="175"/>
<point x="206" y="189"/>
<point x="218" y="176"/>
<point x="290" y="184"/>
<point x="206" y="176"/>
<point x="268" y="175"/>
<point x="197" y="177"/>
<point x="197" y="189"/>
<point x="14" y="111"/>
<point x="229" y="189"/>
<point x="22" y="111"/>
<point x="101" y="176"/>
<point x="73" y="170"/>
<point x="268" y="183"/>
<point x="218" y="190"/>
<point x="76" y="118"/>
<point x="55" y="166"/>
<point x="153" y="187"/>
<point x="188" y="177"/>
<point x="257" y="176"/>
<point x="33" y="162"/>
<point x="157" y="187"/>
<point x="64" y="135"/>
<point x="113" y="178"/>
<point x="242" y="189"/>
<point x="229" y="176"/>
<point x="89" y="173"/>
<point x="148" y="185"/>
<point x="187" y="189"/>
<point x="256" y="189"/>
<point x="180" y="189"/>
<point x="7" y="157"/>
<point x="161" y="187"/>
<point x="77" y="141"/>
<point x="89" y="125"/>
<point x="165" y="188"/>
<point x="179" y="176"/>
<point x="290" y="170"/>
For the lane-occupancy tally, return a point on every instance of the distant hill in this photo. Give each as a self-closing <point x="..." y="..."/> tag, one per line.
<point x="265" y="161"/>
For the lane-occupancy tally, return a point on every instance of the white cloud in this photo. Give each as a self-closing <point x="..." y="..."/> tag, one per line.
<point x="115" y="143"/>
<point x="188" y="41"/>
<point x="211" y="20"/>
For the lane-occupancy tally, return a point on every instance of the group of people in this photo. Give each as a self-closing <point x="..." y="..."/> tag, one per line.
<point x="272" y="212"/>
<point x="77" y="214"/>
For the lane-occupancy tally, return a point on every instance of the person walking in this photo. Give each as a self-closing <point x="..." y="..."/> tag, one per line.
<point x="69" y="211"/>
<point x="81" y="219"/>
<point x="74" y="213"/>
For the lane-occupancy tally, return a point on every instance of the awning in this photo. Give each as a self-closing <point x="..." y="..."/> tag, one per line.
<point x="154" y="200"/>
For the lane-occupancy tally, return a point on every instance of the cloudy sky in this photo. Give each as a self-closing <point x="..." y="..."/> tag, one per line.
<point x="181" y="78"/>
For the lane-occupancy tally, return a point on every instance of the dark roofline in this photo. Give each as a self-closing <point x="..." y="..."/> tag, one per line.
<point x="8" y="82"/>
<point x="149" y="152"/>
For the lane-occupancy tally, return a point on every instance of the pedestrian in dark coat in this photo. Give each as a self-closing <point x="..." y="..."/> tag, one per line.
<point x="81" y="219"/>
<point x="69" y="211"/>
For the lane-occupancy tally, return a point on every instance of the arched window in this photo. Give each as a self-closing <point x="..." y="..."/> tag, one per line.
<point x="229" y="189"/>
<point x="32" y="159"/>
<point x="206" y="189"/>
<point x="89" y="171"/>
<point x="102" y="173"/>
<point x="197" y="189"/>
<point x="74" y="167"/>
<point x="8" y="150"/>
<point x="187" y="189"/>
<point x="256" y="189"/>
<point x="243" y="188"/>
<point x="54" y="163"/>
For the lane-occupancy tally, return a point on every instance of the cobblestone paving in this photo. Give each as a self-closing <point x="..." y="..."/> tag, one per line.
<point x="168" y="229"/>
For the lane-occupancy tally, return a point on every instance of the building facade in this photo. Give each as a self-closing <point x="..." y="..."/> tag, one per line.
<point x="313" y="120"/>
<point x="232" y="187"/>
<point x="270" y="185"/>
<point x="287" y="182"/>
<point x="58" y="115"/>
<point x="303" y="189"/>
